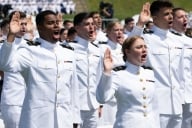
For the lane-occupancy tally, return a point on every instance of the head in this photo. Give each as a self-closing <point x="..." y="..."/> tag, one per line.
<point x="48" y="26"/>
<point x="149" y="24"/>
<point x="161" y="12"/>
<point x="180" y="20"/>
<point x="135" y="50"/>
<point x="23" y="23"/>
<point x="71" y="34"/>
<point x="129" y="24"/>
<point x="83" y="23"/>
<point x="63" y="34"/>
<point x="67" y="24"/>
<point x="96" y="19"/>
<point x="115" y="32"/>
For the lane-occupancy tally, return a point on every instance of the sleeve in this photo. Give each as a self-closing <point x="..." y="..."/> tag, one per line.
<point x="15" y="59"/>
<point x="105" y="91"/>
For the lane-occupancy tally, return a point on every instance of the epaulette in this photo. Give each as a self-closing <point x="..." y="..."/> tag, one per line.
<point x="176" y="33"/>
<point x="94" y="44"/>
<point x="67" y="46"/>
<point x="2" y="41"/>
<point x="32" y="43"/>
<point x="146" y="67"/>
<point x="72" y="41"/>
<point x="119" y="68"/>
<point x="102" y="42"/>
<point x="145" y="31"/>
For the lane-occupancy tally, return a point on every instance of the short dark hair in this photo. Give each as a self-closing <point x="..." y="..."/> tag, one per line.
<point x="80" y="17"/>
<point x="41" y="16"/>
<point x="128" y="19"/>
<point x="158" y="4"/>
<point x="93" y="13"/>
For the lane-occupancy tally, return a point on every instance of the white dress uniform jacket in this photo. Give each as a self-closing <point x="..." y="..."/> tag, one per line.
<point x="165" y="57"/>
<point x="134" y="89"/>
<point x="52" y="99"/>
<point x="89" y="70"/>
<point x="13" y="94"/>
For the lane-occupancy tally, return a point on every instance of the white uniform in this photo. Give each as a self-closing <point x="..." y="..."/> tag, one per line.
<point x="13" y="94"/>
<point x="52" y="99"/>
<point x="110" y="108"/>
<point x="187" y="106"/>
<point x="89" y="70"/>
<point x="101" y="36"/>
<point x="165" y="57"/>
<point x="134" y="89"/>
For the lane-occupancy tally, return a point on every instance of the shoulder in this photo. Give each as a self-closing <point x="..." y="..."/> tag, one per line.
<point x="67" y="46"/>
<point x="32" y="43"/>
<point x="119" y="68"/>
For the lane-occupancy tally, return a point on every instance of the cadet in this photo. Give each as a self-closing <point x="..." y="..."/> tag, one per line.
<point x="13" y="91"/>
<point x="165" y="57"/>
<point x="49" y="70"/>
<point x="133" y="87"/>
<point x="179" y="28"/>
<point x="89" y="68"/>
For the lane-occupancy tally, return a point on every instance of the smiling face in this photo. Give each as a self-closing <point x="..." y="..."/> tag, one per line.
<point x="50" y="29"/>
<point x="137" y="51"/>
<point x="180" y="20"/>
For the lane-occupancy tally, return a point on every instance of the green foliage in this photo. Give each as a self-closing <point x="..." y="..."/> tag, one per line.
<point x="125" y="8"/>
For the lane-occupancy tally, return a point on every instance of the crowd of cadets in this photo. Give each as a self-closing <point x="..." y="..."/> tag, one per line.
<point x="57" y="73"/>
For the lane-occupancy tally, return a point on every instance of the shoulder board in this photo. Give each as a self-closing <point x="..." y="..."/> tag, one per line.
<point x="72" y="41"/>
<point x="147" y="31"/>
<point x="2" y="41"/>
<point x="32" y="43"/>
<point x="102" y="42"/>
<point x="119" y="68"/>
<point x="145" y="67"/>
<point x="67" y="46"/>
<point x="176" y="33"/>
<point x="94" y="44"/>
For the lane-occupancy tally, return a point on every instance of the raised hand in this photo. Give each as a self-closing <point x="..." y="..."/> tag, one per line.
<point x="145" y="15"/>
<point x="14" y="27"/>
<point x="108" y="61"/>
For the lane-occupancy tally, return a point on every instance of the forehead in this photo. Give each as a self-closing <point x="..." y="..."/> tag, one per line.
<point x="165" y="10"/>
<point x="87" y="20"/>
<point x="50" y="17"/>
<point x="180" y="12"/>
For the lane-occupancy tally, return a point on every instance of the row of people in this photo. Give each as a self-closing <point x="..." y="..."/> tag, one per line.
<point x="74" y="80"/>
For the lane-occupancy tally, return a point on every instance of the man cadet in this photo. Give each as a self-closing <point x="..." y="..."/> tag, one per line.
<point x="89" y="67"/>
<point x="165" y="57"/>
<point x="179" y="28"/>
<point x="49" y="70"/>
<point x="13" y="91"/>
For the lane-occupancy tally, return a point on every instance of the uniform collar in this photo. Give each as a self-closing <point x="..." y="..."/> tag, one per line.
<point x="176" y="32"/>
<point x="114" y="45"/>
<point x="48" y="45"/>
<point x="160" y="31"/>
<point x="132" y="68"/>
<point x="18" y="40"/>
<point x="82" y="41"/>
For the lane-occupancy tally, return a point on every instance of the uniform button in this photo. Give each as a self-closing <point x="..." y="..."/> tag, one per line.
<point x="141" y="80"/>
<point x="58" y="92"/>
<point x="144" y="106"/>
<point x="144" y="97"/>
<point x="143" y="88"/>
<point x="59" y="62"/>
<point x="145" y="114"/>
<point x="58" y="76"/>
<point x="173" y="87"/>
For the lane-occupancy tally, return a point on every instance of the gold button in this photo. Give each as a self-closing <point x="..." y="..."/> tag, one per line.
<point x="144" y="97"/>
<point x="58" y="62"/>
<point x="145" y="114"/>
<point x="58" y="92"/>
<point x="143" y="88"/>
<point x="141" y="80"/>
<point x="144" y="106"/>
<point x="58" y="76"/>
